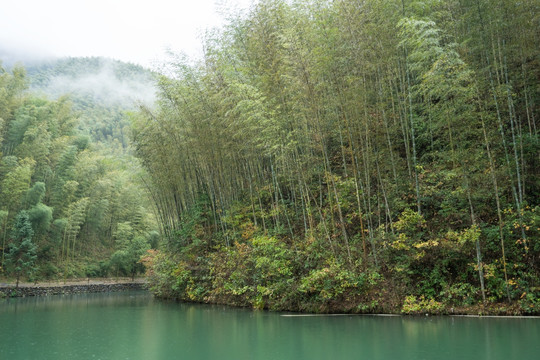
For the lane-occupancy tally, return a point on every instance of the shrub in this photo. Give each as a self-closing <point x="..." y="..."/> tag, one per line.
<point x="159" y="272"/>
<point x="529" y="303"/>
<point x="421" y="305"/>
<point x="459" y="294"/>
<point x="332" y="282"/>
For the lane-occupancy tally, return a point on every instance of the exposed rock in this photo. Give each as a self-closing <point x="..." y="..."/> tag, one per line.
<point x="10" y="291"/>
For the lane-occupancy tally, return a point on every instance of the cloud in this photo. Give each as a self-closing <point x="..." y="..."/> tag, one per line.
<point x="103" y="85"/>
<point x="121" y="29"/>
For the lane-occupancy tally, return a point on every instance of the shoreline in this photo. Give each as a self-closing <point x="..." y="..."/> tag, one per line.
<point x="493" y="310"/>
<point x="72" y="286"/>
<point x="81" y="286"/>
<point x="78" y="281"/>
<point x="419" y="316"/>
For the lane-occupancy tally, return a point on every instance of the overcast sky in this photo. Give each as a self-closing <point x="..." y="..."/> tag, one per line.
<point x="129" y="30"/>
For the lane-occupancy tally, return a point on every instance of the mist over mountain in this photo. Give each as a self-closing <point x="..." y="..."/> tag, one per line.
<point x="105" y="81"/>
<point x="64" y="126"/>
<point x="9" y="57"/>
<point x="100" y="89"/>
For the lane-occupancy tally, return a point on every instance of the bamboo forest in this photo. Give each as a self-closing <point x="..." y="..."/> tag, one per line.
<point x="71" y="200"/>
<point x="347" y="156"/>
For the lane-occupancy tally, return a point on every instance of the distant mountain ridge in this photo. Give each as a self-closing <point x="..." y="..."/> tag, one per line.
<point x="101" y="91"/>
<point x="108" y="81"/>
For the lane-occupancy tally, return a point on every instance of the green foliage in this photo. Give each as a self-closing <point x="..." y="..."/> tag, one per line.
<point x="530" y="302"/>
<point x="74" y="188"/>
<point x="260" y="274"/>
<point x="21" y="256"/>
<point x="153" y="239"/>
<point x="40" y="216"/>
<point x="101" y="91"/>
<point x="273" y="272"/>
<point x="130" y="247"/>
<point x="420" y="305"/>
<point x="190" y="231"/>
<point x="411" y="224"/>
<point x="231" y="271"/>
<point x="15" y="184"/>
<point x="460" y="294"/>
<point x="57" y="230"/>
<point x="321" y="151"/>
<point x="332" y="283"/>
<point x="35" y="194"/>
<point x="159" y="272"/>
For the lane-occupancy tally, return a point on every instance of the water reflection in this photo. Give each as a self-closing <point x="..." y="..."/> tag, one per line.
<point x="135" y="326"/>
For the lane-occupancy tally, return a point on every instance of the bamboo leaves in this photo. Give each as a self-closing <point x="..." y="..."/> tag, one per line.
<point x="323" y="124"/>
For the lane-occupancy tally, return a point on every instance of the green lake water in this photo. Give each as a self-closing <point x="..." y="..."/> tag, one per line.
<point x="136" y="326"/>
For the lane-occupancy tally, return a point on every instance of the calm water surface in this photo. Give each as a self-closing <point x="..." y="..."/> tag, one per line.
<point x="135" y="326"/>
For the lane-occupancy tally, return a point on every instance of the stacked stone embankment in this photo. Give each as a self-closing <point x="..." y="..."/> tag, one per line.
<point x="11" y="291"/>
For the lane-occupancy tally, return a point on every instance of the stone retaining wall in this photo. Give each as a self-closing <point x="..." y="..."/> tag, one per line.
<point x="10" y="291"/>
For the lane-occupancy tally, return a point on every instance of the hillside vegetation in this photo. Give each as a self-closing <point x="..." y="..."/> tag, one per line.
<point x="72" y="203"/>
<point x="353" y="156"/>
<point x="101" y="92"/>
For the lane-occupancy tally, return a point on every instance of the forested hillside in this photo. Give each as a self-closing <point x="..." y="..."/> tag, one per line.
<point x="101" y="91"/>
<point x="357" y="156"/>
<point x="72" y="202"/>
